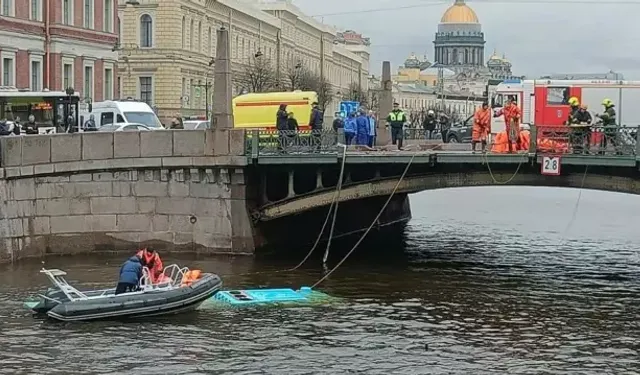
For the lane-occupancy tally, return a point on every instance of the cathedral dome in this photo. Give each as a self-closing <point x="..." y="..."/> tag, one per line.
<point x="459" y="12"/>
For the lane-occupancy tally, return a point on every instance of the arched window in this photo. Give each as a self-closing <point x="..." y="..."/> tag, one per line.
<point x="184" y="32"/>
<point x="146" y="31"/>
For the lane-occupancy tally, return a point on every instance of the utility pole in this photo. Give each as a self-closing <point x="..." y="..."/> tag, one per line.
<point x="207" y="86"/>
<point x="441" y="83"/>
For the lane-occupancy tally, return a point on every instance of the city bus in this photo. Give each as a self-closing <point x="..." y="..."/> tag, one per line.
<point x="54" y="111"/>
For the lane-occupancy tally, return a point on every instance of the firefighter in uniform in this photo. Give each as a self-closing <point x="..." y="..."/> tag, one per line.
<point x="608" y="119"/>
<point x="574" y="103"/>
<point x="577" y="132"/>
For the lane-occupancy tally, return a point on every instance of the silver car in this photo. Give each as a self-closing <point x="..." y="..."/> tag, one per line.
<point x="123" y="127"/>
<point x="196" y="125"/>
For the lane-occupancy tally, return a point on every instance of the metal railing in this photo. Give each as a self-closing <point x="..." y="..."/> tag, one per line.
<point x="286" y="142"/>
<point x="592" y="140"/>
<point x="587" y="140"/>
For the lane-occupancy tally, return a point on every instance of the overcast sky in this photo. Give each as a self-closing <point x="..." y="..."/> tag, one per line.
<point x="548" y="37"/>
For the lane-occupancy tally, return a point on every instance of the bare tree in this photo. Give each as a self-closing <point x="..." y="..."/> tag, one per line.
<point x="257" y="76"/>
<point x="313" y="82"/>
<point x="295" y="75"/>
<point x="356" y="94"/>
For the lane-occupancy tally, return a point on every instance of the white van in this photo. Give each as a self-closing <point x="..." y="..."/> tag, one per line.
<point x="129" y="111"/>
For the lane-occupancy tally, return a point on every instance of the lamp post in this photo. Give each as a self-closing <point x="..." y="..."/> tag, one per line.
<point x="207" y="86"/>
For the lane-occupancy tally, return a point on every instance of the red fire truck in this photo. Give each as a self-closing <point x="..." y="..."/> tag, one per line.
<point x="544" y="102"/>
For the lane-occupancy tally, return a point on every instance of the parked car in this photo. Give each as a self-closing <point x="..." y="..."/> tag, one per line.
<point x="460" y="132"/>
<point x="123" y="127"/>
<point x="196" y="125"/>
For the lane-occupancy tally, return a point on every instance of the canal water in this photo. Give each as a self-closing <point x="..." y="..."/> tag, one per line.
<point x="483" y="281"/>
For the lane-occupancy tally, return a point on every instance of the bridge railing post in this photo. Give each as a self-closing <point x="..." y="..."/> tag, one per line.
<point x="255" y="143"/>
<point x="341" y="136"/>
<point x="637" y="150"/>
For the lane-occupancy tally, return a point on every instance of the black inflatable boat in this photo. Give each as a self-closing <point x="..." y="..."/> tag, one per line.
<point x="179" y="292"/>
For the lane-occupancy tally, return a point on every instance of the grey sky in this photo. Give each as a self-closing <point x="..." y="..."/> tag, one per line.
<point x="548" y="37"/>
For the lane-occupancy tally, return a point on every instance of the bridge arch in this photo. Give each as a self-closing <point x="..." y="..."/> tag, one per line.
<point x="599" y="180"/>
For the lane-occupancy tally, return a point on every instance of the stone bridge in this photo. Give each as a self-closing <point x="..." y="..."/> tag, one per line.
<point x="224" y="191"/>
<point x="111" y="191"/>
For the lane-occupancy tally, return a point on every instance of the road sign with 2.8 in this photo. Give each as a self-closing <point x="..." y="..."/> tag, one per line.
<point x="550" y="166"/>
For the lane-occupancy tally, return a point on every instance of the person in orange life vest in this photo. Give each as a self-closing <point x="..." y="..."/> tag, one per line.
<point x="481" y="124"/>
<point x="152" y="261"/>
<point x="511" y="114"/>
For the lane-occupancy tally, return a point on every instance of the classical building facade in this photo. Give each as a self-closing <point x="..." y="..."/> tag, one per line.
<point x="168" y="47"/>
<point x="459" y="56"/>
<point x="57" y="44"/>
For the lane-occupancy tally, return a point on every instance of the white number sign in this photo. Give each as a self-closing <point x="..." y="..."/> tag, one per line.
<point x="550" y="165"/>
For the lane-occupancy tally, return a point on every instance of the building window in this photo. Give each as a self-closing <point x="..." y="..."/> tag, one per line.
<point x="199" y="36"/>
<point x="184" y="32"/>
<point x="210" y="36"/>
<point x="192" y="92"/>
<point x="184" y="90"/>
<point x="192" y="43"/>
<point x="108" y="16"/>
<point x="88" y="14"/>
<point x="146" y="90"/>
<point x="8" y="71"/>
<point x="146" y="31"/>
<point x="108" y="84"/>
<point x="36" y="75"/>
<point x="88" y="82"/>
<point x="7" y="7"/>
<point x="36" y="10"/>
<point x="67" y="76"/>
<point x="67" y="12"/>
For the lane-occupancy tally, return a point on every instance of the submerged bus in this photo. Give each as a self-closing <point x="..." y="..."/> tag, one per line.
<point x="54" y="111"/>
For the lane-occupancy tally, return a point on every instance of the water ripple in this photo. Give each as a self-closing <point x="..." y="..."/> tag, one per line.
<point x="481" y="291"/>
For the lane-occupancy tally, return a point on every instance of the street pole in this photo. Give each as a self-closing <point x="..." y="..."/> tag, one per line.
<point x="206" y="99"/>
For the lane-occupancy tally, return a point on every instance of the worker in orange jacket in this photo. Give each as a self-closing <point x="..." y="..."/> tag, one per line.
<point x="481" y="126"/>
<point x="152" y="261"/>
<point x="512" y="116"/>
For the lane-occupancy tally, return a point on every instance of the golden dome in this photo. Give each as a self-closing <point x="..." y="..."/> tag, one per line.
<point x="495" y="56"/>
<point x="459" y="12"/>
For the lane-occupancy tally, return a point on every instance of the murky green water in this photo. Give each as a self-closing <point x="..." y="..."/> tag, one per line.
<point x="487" y="279"/>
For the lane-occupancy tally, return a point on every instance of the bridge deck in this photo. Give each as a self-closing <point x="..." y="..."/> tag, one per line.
<point x="443" y="157"/>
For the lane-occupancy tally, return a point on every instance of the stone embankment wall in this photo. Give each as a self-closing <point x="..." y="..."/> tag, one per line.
<point x="179" y="190"/>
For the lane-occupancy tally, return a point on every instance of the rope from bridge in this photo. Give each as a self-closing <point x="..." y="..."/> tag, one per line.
<point x="373" y="223"/>
<point x="334" y="203"/>
<point x="485" y="159"/>
<point x="574" y="215"/>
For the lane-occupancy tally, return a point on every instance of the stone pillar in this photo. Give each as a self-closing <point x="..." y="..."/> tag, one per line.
<point x="386" y="104"/>
<point x="222" y="113"/>
<point x="291" y="187"/>
<point x="319" y="184"/>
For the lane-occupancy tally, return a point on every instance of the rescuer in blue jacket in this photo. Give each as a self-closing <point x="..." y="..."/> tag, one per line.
<point x="350" y="128"/>
<point x="130" y="275"/>
<point x="362" y="128"/>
